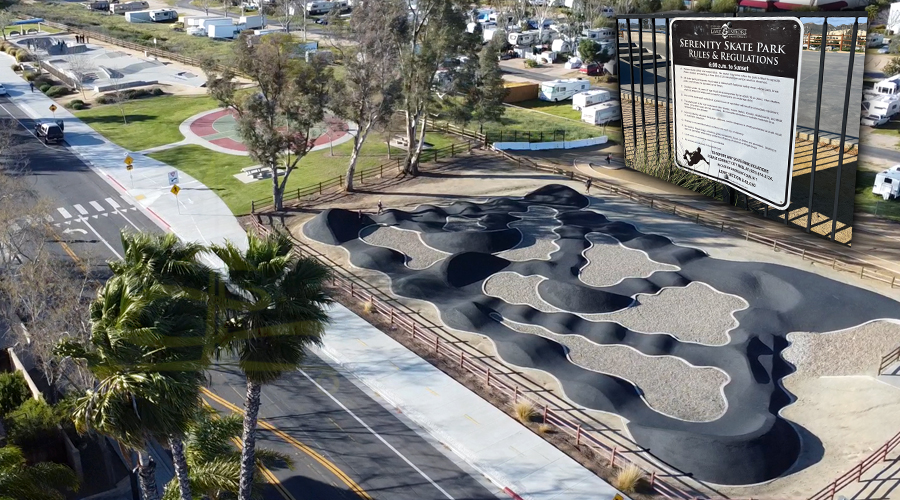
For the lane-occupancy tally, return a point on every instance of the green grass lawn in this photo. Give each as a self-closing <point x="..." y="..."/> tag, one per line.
<point x="548" y="117"/>
<point x="868" y="203"/>
<point x="216" y="170"/>
<point x="562" y="109"/>
<point x="23" y="28"/>
<point x="152" y="121"/>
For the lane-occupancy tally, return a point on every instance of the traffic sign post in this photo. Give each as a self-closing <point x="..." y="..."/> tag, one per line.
<point x="175" y="190"/>
<point x="173" y="177"/>
<point x="53" y="110"/>
<point x="129" y="167"/>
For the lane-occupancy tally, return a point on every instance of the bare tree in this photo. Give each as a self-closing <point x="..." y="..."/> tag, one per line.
<point x="80" y="66"/>
<point x="118" y="96"/>
<point x="292" y="11"/>
<point x="6" y="19"/>
<point x="204" y="4"/>
<point x="291" y="95"/>
<point x="372" y="85"/>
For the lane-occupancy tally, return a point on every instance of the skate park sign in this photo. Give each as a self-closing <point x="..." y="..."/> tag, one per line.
<point x="734" y="89"/>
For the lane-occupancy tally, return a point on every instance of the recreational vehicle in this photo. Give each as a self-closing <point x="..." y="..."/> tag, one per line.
<point x="122" y="8"/>
<point x="560" y="90"/>
<point x="163" y="15"/>
<point x="524" y="38"/>
<point x="206" y="23"/>
<point x="489" y="34"/>
<point x="589" y="98"/>
<point x="252" y="22"/>
<point x="223" y="31"/>
<point x="599" y="34"/>
<point x="874" y="40"/>
<point x="99" y="5"/>
<point x="887" y="183"/>
<point x="889" y="86"/>
<point x="138" y="16"/>
<point x="602" y="113"/>
<point x="874" y="120"/>
<point x="561" y="46"/>
<point x="318" y="8"/>
<point x="882" y="107"/>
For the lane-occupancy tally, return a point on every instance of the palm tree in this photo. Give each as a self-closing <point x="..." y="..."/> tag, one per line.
<point x="215" y="464"/>
<point x="41" y="481"/>
<point x="147" y="353"/>
<point x="276" y="309"/>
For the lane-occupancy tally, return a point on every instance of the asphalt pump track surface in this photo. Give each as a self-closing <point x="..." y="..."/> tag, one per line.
<point x="748" y="444"/>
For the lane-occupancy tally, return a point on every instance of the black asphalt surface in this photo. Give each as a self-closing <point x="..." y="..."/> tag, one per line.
<point x="299" y="408"/>
<point x="293" y="404"/>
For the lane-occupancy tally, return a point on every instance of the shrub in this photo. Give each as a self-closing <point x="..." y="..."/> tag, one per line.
<point x="668" y="5"/>
<point x="16" y="67"/>
<point x="58" y="91"/>
<point x="22" y="56"/>
<point x="524" y="411"/>
<point x="3" y="47"/>
<point x="724" y="6"/>
<point x="702" y="5"/>
<point x="368" y="307"/>
<point x="545" y="429"/>
<point x="12" y="51"/>
<point x="13" y="391"/>
<point x="32" y="424"/>
<point x="531" y="63"/>
<point x="157" y="91"/>
<point x="75" y="104"/>
<point x="106" y="99"/>
<point x="45" y="87"/>
<point x="30" y="76"/>
<point x="628" y="478"/>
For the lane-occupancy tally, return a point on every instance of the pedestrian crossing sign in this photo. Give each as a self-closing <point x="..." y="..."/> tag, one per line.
<point x="53" y="108"/>
<point x="618" y="497"/>
<point x="175" y="189"/>
<point x="129" y="160"/>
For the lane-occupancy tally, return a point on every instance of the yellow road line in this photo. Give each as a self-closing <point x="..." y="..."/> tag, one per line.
<point x="270" y="477"/>
<point x="297" y="444"/>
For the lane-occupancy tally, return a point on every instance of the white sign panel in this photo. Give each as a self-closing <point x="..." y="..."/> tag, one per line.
<point x="735" y="86"/>
<point x="173" y="177"/>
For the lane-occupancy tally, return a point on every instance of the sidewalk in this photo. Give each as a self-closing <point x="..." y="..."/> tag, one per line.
<point x="199" y="215"/>
<point x="489" y="440"/>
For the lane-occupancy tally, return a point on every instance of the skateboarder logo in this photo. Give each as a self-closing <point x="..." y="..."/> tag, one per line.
<point x="694" y="157"/>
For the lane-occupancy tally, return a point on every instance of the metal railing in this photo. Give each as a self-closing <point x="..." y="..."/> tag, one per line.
<point x="888" y="359"/>
<point x="360" y="176"/>
<point x="498" y="377"/>
<point x="855" y="474"/>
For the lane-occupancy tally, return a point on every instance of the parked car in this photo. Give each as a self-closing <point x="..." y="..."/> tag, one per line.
<point x="322" y="21"/>
<point x="592" y="69"/>
<point x="3" y="90"/>
<point x="49" y="131"/>
<point x="883" y="50"/>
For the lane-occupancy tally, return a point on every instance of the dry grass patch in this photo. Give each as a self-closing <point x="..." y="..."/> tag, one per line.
<point x="628" y="478"/>
<point x="368" y="307"/>
<point x="545" y="429"/>
<point x="524" y="411"/>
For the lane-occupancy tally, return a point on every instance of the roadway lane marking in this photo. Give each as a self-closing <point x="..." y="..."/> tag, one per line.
<point x="81" y="209"/>
<point x="98" y="207"/>
<point x="472" y="419"/>
<point x="65" y="213"/>
<point x="395" y="450"/>
<point x="113" y="203"/>
<point x="110" y="247"/>
<point x="355" y="488"/>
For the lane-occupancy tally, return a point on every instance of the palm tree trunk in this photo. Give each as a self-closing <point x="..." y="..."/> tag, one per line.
<point x="181" y="468"/>
<point x="146" y="470"/>
<point x="248" y="453"/>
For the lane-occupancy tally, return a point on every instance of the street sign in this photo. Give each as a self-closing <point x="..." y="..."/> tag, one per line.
<point x="175" y="189"/>
<point x="53" y="108"/>
<point x="618" y="497"/>
<point x="173" y="177"/>
<point x="129" y="160"/>
<point x="129" y="167"/>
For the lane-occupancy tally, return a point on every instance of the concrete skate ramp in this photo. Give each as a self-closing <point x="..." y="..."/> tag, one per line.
<point x="748" y="444"/>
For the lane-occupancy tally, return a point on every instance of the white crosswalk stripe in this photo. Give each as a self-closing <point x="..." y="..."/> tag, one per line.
<point x="113" y="203"/>
<point x="65" y="213"/>
<point x="80" y="209"/>
<point x="97" y="206"/>
<point x="114" y="208"/>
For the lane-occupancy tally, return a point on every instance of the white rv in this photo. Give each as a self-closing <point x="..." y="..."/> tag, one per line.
<point x="589" y="98"/>
<point x="887" y="183"/>
<point x="212" y="21"/>
<point x="889" y="86"/>
<point x="874" y="40"/>
<point x="489" y="34"/>
<point x="561" y="46"/>
<point x="524" y="38"/>
<point x="874" y="120"/>
<point x="252" y="22"/>
<point x="605" y="112"/>
<point x="884" y="107"/>
<point x="163" y="15"/>
<point x="122" y="8"/>
<point x="599" y="34"/>
<point x="317" y="8"/>
<point x="560" y="90"/>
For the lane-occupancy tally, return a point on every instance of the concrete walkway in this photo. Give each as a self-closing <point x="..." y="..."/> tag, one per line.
<point x="197" y="214"/>
<point x="489" y="440"/>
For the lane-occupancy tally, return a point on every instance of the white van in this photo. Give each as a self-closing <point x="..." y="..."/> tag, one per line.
<point x="605" y="112"/>
<point x="887" y="183"/>
<point x="560" y="90"/>
<point x="589" y="98"/>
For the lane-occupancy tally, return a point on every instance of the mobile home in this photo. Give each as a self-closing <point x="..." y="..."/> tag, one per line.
<point x="163" y="15"/>
<point x="524" y="38"/>
<point x="560" y="90"/>
<point x="602" y="113"/>
<point x="887" y="183"/>
<point x="122" y="8"/>
<point x="589" y="98"/>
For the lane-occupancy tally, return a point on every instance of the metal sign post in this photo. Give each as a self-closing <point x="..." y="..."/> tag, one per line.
<point x="129" y="167"/>
<point x="53" y="110"/>
<point x="175" y="190"/>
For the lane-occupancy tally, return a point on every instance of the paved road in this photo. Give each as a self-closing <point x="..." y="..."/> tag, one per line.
<point x="322" y="409"/>
<point x="89" y="214"/>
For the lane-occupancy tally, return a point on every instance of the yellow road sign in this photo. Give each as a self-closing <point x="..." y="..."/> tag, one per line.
<point x="129" y="167"/>
<point x="129" y="160"/>
<point x="175" y="189"/>
<point x="53" y="107"/>
<point x="618" y="497"/>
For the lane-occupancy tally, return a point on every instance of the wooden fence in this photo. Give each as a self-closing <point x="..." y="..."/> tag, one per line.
<point x="855" y="474"/>
<point x="889" y="359"/>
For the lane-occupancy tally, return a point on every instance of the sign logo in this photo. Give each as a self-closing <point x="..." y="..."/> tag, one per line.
<point x="173" y="177"/>
<point x="727" y="31"/>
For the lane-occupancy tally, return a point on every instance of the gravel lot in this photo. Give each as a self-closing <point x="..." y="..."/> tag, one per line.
<point x="418" y="254"/>
<point x="609" y="262"/>
<point x="538" y="238"/>
<point x="669" y="384"/>
<point x="856" y="351"/>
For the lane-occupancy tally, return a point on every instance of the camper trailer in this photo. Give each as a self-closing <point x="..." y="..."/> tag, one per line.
<point x="206" y="23"/>
<point x="884" y="107"/>
<point x="874" y="40"/>
<point x="139" y="16"/>
<point x="887" y="183"/>
<point x="122" y="8"/>
<point x="99" y="5"/>
<point x="560" y="90"/>
<point x="599" y="34"/>
<point x="602" y="113"/>
<point x="163" y="15"/>
<point x="589" y="98"/>
<point x="524" y="38"/>
<point x="252" y="22"/>
<point x="874" y="120"/>
<point x="223" y="31"/>
<point x="889" y="86"/>
<point x="319" y="8"/>
<point x="489" y="34"/>
<point x="561" y="46"/>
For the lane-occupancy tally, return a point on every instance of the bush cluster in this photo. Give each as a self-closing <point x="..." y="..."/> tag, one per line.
<point x="16" y="67"/>
<point x="13" y="392"/>
<point x="22" y="56"/>
<point x="44" y="87"/>
<point x="75" y="104"/>
<point x="57" y="91"/>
